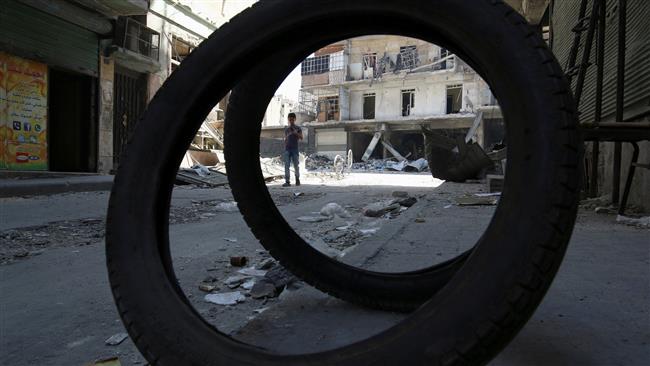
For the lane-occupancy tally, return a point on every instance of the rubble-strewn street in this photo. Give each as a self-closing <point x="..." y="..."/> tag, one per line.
<point x="57" y="308"/>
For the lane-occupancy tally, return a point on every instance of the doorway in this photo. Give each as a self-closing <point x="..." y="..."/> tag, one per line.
<point x="454" y="96"/>
<point x="72" y="125"/>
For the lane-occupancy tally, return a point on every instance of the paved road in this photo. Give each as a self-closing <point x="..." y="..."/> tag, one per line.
<point x="56" y="309"/>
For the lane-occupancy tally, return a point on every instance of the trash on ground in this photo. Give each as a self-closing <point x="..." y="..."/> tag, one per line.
<point x="251" y="271"/>
<point x="226" y="298"/>
<point x="260" y="310"/>
<point x="476" y="201"/>
<point x="201" y="176"/>
<point x="419" y="220"/>
<point x="248" y="284"/>
<point x="369" y="231"/>
<point x="406" y="202"/>
<point x="491" y="194"/>
<point x="265" y="264"/>
<point x="206" y="287"/>
<point x="606" y="210"/>
<point x="334" y="209"/>
<point x="379" y="209"/>
<point x="642" y="222"/>
<point x="455" y="160"/>
<point x="262" y="289"/>
<point x="116" y="339"/>
<point x="232" y="240"/>
<point x="235" y="281"/>
<point x="298" y="194"/>
<point x="238" y="261"/>
<point x="112" y="361"/>
<point x="227" y="207"/>
<point x="312" y="219"/>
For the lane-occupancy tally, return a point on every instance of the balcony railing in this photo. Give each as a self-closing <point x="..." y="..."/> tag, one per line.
<point x="137" y="37"/>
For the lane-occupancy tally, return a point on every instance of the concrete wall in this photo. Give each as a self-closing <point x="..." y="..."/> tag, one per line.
<point x="430" y="95"/>
<point x="105" y="106"/>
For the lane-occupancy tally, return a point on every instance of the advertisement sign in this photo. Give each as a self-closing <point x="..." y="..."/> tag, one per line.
<point x="23" y="114"/>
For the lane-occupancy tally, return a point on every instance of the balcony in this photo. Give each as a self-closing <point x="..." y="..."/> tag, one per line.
<point x="135" y="46"/>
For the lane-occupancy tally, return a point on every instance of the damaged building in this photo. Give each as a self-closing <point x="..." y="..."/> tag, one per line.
<point x="381" y="90"/>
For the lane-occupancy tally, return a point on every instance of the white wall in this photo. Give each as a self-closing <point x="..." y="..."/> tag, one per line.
<point x="430" y="95"/>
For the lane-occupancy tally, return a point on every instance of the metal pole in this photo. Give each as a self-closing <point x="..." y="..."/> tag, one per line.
<point x="573" y="54"/>
<point x="620" y="90"/>
<point x="600" y="63"/>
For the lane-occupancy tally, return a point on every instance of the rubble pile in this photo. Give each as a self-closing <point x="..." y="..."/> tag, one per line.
<point x="391" y="164"/>
<point x="318" y="162"/>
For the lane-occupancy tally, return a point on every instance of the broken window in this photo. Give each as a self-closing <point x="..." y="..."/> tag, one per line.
<point x="454" y="98"/>
<point x="408" y="57"/>
<point x="315" y="65"/>
<point x="369" y="60"/>
<point x="369" y="106"/>
<point x="408" y="101"/>
<point x="328" y="109"/>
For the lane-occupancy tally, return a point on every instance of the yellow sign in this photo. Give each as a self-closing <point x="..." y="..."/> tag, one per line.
<point x="23" y="114"/>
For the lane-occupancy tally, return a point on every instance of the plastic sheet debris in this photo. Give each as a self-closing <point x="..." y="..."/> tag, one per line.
<point x="641" y="222"/>
<point x="252" y="272"/>
<point x="266" y="264"/>
<point x="476" y="201"/>
<point x="116" y="339"/>
<point x="226" y="298"/>
<point x="261" y="310"/>
<point x="227" y="207"/>
<point x="369" y="231"/>
<point x="333" y="209"/>
<point x="235" y="281"/>
<point x="312" y="219"/>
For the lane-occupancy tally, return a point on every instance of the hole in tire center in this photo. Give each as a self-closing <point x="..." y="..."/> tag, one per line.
<point x="378" y="209"/>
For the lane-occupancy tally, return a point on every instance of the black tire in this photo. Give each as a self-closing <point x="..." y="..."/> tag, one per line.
<point x="503" y="280"/>
<point x="247" y="104"/>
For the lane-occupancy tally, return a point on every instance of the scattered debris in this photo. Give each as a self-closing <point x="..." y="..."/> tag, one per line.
<point x="400" y="194"/>
<point x="298" y="194"/>
<point x="116" y="339"/>
<point x="379" y="209"/>
<point x="262" y="289"/>
<point x="494" y="182"/>
<point x="238" y="261"/>
<point x="406" y="202"/>
<point x="333" y="209"/>
<point x="235" y="281"/>
<point x="369" y="231"/>
<point x="419" y="220"/>
<point x="312" y="219"/>
<point x="248" y="284"/>
<point x="112" y="361"/>
<point x="227" y="207"/>
<point x="226" y="298"/>
<point x="252" y="272"/>
<point x="206" y="287"/>
<point x="260" y="310"/>
<point x="606" y="210"/>
<point x="454" y="160"/>
<point x="265" y="264"/>
<point x="641" y="222"/>
<point x="201" y="176"/>
<point x="476" y="201"/>
<point x="232" y="240"/>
